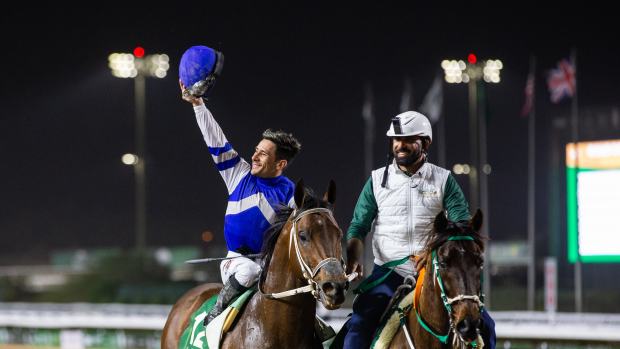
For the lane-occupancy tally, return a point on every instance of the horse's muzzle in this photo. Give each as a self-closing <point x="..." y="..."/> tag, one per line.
<point x="333" y="285"/>
<point x="332" y="293"/>
<point x="468" y="328"/>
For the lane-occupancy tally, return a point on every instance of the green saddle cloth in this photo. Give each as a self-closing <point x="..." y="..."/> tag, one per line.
<point x="194" y="336"/>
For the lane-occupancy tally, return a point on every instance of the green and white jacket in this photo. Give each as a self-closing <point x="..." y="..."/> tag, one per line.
<point x="400" y="214"/>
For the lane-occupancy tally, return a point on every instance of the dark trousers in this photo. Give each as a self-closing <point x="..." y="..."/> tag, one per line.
<point x="370" y="305"/>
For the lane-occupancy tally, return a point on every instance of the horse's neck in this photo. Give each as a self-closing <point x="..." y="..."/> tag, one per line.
<point x="285" y="322"/>
<point x="281" y="278"/>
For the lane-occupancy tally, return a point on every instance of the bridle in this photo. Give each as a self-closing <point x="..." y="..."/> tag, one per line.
<point x="308" y="273"/>
<point x="447" y="301"/>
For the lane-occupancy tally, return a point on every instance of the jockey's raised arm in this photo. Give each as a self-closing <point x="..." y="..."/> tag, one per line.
<point x="257" y="191"/>
<point x="231" y="166"/>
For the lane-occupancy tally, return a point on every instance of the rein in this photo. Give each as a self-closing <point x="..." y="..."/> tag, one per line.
<point x="308" y="273"/>
<point x="447" y="301"/>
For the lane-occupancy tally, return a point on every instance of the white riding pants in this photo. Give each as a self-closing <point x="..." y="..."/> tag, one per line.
<point x="246" y="270"/>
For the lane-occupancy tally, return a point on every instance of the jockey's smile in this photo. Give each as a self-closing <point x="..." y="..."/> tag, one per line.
<point x="264" y="162"/>
<point x="407" y="150"/>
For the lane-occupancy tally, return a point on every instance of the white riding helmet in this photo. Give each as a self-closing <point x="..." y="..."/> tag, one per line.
<point x="410" y="123"/>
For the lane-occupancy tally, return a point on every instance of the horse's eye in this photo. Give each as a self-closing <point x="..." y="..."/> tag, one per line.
<point x="303" y="236"/>
<point x="442" y="264"/>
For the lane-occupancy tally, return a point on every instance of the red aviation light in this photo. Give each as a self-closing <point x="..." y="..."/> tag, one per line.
<point x="138" y="52"/>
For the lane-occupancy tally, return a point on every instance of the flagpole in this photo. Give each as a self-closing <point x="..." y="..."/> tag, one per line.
<point x="441" y="128"/>
<point x="483" y="183"/>
<point x="575" y="140"/>
<point x="474" y="150"/>
<point x="432" y="107"/>
<point x="407" y="96"/>
<point x="369" y="140"/>
<point x="369" y="126"/>
<point x="531" y="190"/>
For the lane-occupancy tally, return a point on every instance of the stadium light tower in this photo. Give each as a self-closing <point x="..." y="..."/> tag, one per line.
<point x="137" y="66"/>
<point x="473" y="73"/>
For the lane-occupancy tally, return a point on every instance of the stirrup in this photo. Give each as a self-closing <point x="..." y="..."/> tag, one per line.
<point x="230" y="291"/>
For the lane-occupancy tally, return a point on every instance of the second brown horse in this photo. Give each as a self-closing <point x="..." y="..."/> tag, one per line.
<point x="454" y="258"/>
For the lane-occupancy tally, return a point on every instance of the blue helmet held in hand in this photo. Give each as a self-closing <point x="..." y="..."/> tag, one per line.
<point x="199" y="67"/>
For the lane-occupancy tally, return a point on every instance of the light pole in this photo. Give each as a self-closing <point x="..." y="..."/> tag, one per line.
<point x="138" y="66"/>
<point x="472" y="73"/>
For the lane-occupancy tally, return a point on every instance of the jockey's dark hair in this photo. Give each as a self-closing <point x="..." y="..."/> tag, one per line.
<point x="287" y="146"/>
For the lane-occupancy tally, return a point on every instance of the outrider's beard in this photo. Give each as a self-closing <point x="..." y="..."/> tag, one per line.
<point x="409" y="159"/>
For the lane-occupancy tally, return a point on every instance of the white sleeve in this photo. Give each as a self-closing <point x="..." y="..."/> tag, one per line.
<point x="291" y="202"/>
<point x="232" y="167"/>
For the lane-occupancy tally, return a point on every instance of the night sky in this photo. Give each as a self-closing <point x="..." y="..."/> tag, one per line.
<point x="65" y="120"/>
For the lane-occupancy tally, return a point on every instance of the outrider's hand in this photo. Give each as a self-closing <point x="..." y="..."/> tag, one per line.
<point x="188" y="96"/>
<point x="355" y="249"/>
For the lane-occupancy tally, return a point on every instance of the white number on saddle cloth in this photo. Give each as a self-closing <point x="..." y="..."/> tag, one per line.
<point x="198" y="334"/>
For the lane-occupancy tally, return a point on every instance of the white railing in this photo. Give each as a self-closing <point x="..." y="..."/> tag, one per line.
<point x="509" y="325"/>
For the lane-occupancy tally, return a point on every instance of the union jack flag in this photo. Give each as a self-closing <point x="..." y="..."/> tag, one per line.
<point x="561" y="81"/>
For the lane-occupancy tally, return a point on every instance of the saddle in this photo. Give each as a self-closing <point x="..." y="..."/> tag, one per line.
<point x="197" y="336"/>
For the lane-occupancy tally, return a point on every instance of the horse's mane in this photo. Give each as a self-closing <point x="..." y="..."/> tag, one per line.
<point x="435" y="238"/>
<point x="283" y="214"/>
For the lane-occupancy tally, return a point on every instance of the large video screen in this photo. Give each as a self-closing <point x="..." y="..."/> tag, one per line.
<point x="593" y="201"/>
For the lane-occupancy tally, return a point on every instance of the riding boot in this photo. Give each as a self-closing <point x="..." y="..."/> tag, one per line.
<point x="230" y="291"/>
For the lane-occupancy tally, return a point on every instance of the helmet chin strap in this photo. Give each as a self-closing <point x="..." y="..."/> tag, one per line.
<point x="390" y="157"/>
<point x="425" y="156"/>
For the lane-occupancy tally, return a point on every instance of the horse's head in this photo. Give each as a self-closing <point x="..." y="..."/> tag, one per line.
<point x="316" y="240"/>
<point x="456" y="254"/>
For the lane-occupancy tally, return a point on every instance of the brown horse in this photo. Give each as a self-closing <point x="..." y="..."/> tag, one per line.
<point x="449" y="310"/>
<point x="302" y="264"/>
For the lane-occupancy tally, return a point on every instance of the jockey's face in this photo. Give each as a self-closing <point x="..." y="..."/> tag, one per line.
<point x="264" y="162"/>
<point x="407" y="150"/>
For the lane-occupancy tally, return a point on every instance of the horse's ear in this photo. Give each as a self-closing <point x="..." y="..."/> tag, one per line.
<point x="476" y="221"/>
<point x="441" y="222"/>
<point x="300" y="193"/>
<point x="330" y="194"/>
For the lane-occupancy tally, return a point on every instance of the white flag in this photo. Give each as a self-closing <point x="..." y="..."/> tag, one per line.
<point x="369" y="127"/>
<point x="433" y="101"/>
<point x="406" y="97"/>
<point x="367" y="106"/>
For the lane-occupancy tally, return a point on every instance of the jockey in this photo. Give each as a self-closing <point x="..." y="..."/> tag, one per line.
<point x="255" y="191"/>
<point x="398" y="203"/>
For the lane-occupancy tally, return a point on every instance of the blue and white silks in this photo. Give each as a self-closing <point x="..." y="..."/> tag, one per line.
<point x="252" y="201"/>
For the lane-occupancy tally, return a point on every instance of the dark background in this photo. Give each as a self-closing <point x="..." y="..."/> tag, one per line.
<point x="65" y="120"/>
